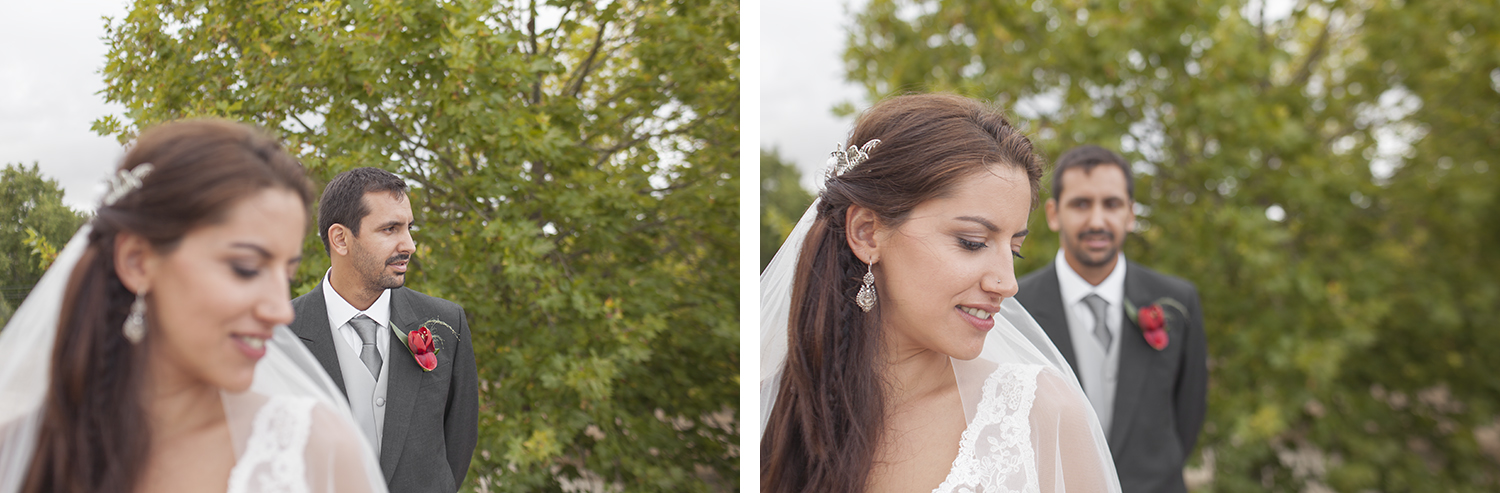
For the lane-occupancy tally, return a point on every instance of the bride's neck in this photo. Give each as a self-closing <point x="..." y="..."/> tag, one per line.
<point x="176" y="403"/>
<point x="912" y="373"/>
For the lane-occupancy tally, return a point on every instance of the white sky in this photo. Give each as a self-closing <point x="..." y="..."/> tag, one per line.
<point x="802" y="77"/>
<point x="49" y="77"/>
<point x="48" y="80"/>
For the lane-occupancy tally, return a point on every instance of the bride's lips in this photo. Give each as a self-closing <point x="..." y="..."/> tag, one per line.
<point x="253" y="346"/>
<point x="984" y="320"/>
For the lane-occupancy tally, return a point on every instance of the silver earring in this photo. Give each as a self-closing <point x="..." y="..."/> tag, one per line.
<point x="135" y="323"/>
<point x="866" y="297"/>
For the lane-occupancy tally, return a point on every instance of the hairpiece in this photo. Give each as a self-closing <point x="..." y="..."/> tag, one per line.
<point x="842" y="160"/>
<point x="124" y="182"/>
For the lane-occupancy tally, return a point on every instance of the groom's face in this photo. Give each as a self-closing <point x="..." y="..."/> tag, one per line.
<point x="1092" y="215"/>
<point x="384" y="245"/>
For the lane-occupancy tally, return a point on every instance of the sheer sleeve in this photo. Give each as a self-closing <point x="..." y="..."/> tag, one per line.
<point x="1071" y="454"/>
<point x="334" y="455"/>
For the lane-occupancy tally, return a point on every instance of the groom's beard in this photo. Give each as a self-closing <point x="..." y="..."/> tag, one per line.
<point x="392" y="281"/>
<point x="373" y="270"/>
<point x="1103" y="260"/>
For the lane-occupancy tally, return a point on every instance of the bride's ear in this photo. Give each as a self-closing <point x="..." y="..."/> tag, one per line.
<point x="859" y="230"/>
<point x="135" y="260"/>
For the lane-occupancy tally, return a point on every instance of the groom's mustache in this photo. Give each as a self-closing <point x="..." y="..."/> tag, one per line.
<point x="1096" y="233"/>
<point x="400" y="257"/>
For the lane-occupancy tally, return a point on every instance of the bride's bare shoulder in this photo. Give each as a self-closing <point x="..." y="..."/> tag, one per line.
<point x="336" y="454"/>
<point x="331" y="433"/>
<point x="1057" y="394"/>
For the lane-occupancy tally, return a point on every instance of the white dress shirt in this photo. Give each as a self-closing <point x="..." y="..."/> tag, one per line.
<point x="367" y="393"/>
<point x="1098" y="368"/>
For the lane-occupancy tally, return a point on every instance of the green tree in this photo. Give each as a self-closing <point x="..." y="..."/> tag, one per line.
<point x="575" y="174"/>
<point x="29" y="201"/>
<point x="1323" y="177"/>
<point x="782" y="202"/>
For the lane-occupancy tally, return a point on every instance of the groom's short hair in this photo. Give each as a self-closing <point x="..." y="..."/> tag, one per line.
<point x="343" y="200"/>
<point x="1088" y="157"/>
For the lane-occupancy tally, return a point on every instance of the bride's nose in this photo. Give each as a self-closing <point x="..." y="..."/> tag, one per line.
<point x="1002" y="282"/>
<point x="275" y="306"/>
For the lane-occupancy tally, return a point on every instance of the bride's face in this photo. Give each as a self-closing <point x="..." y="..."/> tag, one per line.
<point x="218" y="295"/>
<point x="942" y="274"/>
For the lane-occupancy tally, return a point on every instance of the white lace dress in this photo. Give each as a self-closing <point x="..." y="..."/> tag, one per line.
<point x="1027" y="431"/>
<point x="292" y="445"/>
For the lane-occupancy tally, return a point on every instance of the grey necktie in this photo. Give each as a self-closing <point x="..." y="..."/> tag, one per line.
<point x="367" y="328"/>
<point x="1100" y="331"/>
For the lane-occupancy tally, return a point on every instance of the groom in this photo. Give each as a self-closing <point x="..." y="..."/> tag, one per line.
<point x="423" y="424"/>
<point x="1149" y="387"/>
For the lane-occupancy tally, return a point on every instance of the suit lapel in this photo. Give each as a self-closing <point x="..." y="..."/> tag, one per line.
<point x="405" y="377"/>
<point x="311" y="325"/>
<point x="1050" y="315"/>
<point x="1136" y="358"/>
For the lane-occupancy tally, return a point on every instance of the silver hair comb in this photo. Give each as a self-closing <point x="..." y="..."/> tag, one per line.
<point x="842" y="160"/>
<point x="124" y="182"/>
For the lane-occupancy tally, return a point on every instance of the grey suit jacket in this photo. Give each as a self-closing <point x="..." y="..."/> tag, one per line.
<point x="432" y="417"/>
<point x="1161" y="396"/>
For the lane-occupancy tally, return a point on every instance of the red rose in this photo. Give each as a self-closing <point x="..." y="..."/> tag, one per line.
<point x="1153" y="322"/>
<point x="1153" y="318"/>
<point x="1157" y="338"/>
<point x="420" y="343"/>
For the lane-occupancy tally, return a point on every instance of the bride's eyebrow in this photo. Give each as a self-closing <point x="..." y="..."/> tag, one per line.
<point x="249" y="246"/>
<point x="262" y="251"/>
<point x="981" y="221"/>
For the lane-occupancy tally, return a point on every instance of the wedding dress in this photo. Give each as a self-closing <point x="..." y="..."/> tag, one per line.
<point x="292" y="431"/>
<point x="1029" y="427"/>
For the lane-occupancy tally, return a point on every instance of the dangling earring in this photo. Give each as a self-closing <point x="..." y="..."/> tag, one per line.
<point x="135" y="323"/>
<point x="866" y="297"/>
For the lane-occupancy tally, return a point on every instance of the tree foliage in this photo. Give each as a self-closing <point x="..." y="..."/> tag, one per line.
<point x="575" y="177"/>
<point x="782" y="202"/>
<point x="33" y="219"/>
<point x="1326" y="177"/>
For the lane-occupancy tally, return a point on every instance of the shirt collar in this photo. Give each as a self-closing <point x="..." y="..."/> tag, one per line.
<point x="340" y="311"/>
<point x="1074" y="288"/>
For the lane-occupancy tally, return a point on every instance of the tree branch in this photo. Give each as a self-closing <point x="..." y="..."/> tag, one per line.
<point x="536" y="86"/>
<point x="1319" y="48"/>
<point x="575" y="82"/>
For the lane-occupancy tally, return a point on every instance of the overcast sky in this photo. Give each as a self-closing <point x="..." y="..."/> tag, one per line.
<point x="802" y="77"/>
<point x="48" y="80"/>
<point x="49" y="77"/>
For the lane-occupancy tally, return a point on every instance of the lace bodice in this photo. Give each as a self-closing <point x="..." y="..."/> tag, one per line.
<point x="273" y="457"/>
<point x="1032" y="431"/>
<point x="994" y="452"/>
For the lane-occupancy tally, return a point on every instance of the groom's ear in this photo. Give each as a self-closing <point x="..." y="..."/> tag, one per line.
<point x="859" y="230"/>
<point x="338" y="239"/>
<point x="1051" y="209"/>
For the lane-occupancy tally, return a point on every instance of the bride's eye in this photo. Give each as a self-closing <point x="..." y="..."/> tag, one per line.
<point x="970" y="245"/>
<point x="242" y="272"/>
<point x="1017" y="254"/>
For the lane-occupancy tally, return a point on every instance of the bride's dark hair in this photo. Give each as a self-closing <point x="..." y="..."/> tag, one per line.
<point x="94" y="435"/>
<point x="826" y="425"/>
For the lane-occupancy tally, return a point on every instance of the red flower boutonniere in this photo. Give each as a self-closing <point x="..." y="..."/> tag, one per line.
<point x="1152" y="320"/>
<point x="423" y="343"/>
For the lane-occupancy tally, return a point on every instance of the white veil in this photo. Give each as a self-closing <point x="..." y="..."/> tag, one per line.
<point x="1066" y="443"/>
<point x="288" y="369"/>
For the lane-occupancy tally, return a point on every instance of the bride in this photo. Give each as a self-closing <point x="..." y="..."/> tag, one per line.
<point x="153" y="355"/>
<point x="894" y="356"/>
